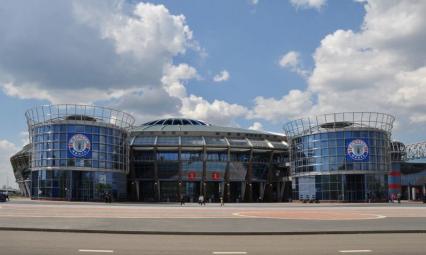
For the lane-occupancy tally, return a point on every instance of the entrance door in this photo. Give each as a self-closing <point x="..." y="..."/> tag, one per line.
<point x="169" y="191"/>
<point x="213" y="191"/>
<point x="191" y="191"/>
<point x="236" y="192"/>
<point x="354" y="187"/>
<point x="147" y="191"/>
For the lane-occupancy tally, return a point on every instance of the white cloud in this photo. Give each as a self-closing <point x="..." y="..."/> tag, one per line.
<point x="174" y="76"/>
<point x="305" y="4"/>
<point x="256" y="126"/>
<point x="291" y="60"/>
<point x="254" y="2"/>
<point x="222" y="76"/>
<point x="25" y="139"/>
<point x="292" y="105"/>
<point x="218" y="112"/>
<point x="105" y="52"/>
<point x="380" y="68"/>
<point x="7" y="149"/>
<point x="84" y="51"/>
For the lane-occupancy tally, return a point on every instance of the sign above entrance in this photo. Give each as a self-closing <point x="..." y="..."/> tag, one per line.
<point x="192" y="175"/>
<point x="215" y="176"/>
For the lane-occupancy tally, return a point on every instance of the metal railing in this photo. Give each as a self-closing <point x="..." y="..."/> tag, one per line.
<point x="339" y="121"/>
<point x="53" y="113"/>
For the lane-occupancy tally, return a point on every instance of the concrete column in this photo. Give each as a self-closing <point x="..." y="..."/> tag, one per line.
<point x="137" y="189"/>
<point x="243" y="190"/>
<point x="27" y="188"/>
<point x="409" y="192"/>
<point x="413" y="190"/>
<point x="281" y="194"/>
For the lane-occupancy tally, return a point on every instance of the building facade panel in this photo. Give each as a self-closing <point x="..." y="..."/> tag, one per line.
<point x="341" y="156"/>
<point x="78" y="152"/>
<point x="88" y="153"/>
<point x="201" y="159"/>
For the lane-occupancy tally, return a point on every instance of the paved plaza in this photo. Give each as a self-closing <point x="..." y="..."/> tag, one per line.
<point x="213" y="218"/>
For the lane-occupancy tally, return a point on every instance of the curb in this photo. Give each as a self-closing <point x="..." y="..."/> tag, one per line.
<point x="141" y="232"/>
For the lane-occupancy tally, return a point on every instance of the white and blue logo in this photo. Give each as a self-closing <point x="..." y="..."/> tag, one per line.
<point x="79" y="146"/>
<point x="357" y="150"/>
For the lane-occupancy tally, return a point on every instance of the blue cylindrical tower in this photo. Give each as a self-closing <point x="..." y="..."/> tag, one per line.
<point x="79" y="152"/>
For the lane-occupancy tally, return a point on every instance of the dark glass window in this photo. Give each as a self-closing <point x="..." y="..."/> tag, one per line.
<point x="167" y="155"/>
<point x="240" y="156"/>
<point x="192" y="155"/>
<point x="168" y="170"/>
<point x="217" y="156"/>
<point x="237" y="171"/>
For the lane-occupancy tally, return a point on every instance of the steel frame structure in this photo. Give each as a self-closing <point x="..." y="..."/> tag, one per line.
<point x="338" y="121"/>
<point x="415" y="151"/>
<point x="45" y="114"/>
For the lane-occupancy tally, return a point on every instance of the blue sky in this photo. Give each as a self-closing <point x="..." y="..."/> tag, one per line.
<point x="253" y="64"/>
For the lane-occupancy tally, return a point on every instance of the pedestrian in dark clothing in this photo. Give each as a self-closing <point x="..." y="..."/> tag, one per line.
<point x="182" y="200"/>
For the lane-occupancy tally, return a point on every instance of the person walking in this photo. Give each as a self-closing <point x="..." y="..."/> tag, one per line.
<point x="221" y="201"/>
<point x="182" y="200"/>
<point x="200" y="200"/>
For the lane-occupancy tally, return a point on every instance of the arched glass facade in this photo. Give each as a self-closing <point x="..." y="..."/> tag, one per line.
<point x="181" y="158"/>
<point x="76" y="156"/>
<point x="235" y="175"/>
<point x="327" y="152"/>
<point x="51" y="147"/>
<point x="340" y="157"/>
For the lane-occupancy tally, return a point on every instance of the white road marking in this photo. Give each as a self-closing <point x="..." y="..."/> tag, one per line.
<point x="229" y="252"/>
<point x="115" y="217"/>
<point x="373" y="217"/>
<point x="100" y="251"/>
<point x="354" y="251"/>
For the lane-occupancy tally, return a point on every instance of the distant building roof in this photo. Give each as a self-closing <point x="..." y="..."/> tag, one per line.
<point x="191" y="125"/>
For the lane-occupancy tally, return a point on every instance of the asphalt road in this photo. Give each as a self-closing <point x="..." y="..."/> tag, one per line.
<point x="44" y="243"/>
<point x="232" y="218"/>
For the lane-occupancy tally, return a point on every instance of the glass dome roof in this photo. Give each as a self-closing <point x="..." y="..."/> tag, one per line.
<point x="175" y="122"/>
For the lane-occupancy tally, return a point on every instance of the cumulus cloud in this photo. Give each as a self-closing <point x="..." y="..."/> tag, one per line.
<point x="222" y="76"/>
<point x="113" y="52"/>
<point x="306" y="4"/>
<point x="291" y="60"/>
<point x="218" y="112"/>
<point x="7" y="149"/>
<point x="294" y="104"/>
<point x="382" y="67"/>
<point x="86" y="50"/>
<point x="256" y="126"/>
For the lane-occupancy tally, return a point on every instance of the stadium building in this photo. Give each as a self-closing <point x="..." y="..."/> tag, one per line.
<point x="83" y="153"/>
